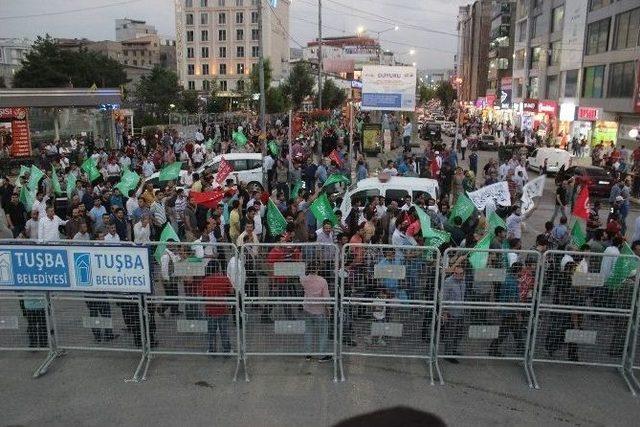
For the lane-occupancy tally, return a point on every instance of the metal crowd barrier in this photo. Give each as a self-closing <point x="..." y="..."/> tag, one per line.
<point x="387" y="301"/>
<point x="194" y="309"/>
<point x="585" y="310"/>
<point x="289" y="301"/>
<point x="486" y="305"/>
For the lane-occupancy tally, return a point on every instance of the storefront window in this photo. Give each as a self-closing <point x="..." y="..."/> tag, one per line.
<point x="622" y="79"/>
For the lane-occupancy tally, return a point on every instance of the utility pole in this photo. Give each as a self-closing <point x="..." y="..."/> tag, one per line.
<point x="320" y="54"/>
<point x="261" y="68"/>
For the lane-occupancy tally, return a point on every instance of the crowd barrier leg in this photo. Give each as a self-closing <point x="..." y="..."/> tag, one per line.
<point x="54" y="353"/>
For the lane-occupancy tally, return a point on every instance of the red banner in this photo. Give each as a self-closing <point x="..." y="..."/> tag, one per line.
<point x="588" y="113"/>
<point x="548" y="107"/>
<point x="208" y="199"/>
<point x="530" y="105"/>
<point x="224" y="169"/>
<point x="14" y="131"/>
<point x="334" y="157"/>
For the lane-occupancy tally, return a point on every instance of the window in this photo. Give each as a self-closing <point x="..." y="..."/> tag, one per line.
<point x="255" y="51"/>
<point x="191" y="85"/>
<point x="627" y="29"/>
<point x="204" y="3"/>
<point x="135" y="53"/>
<point x="221" y="3"/>
<point x="223" y="84"/>
<point x="533" y="87"/>
<point x="222" y="52"/>
<point x="222" y="35"/>
<point x="126" y="62"/>
<point x="554" y="58"/>
<point x="240" y="51"/>
<point x="189" y="19"/>
<point x="517" y="88"/>
<point x="206" y="85"/>
<point x="240" y="88"/>
<point x="190" y="52"/>
<point x="557" y="19"/>
<point x="598" y="36"/>
<point x="223" y="69"/>
<point x="254" y="17"/>
<point x="396" y="195"/>
<point x="239" y="34"/>
<point x="535" y="25"/>
<point x="191" y="69"/>
<point x="222" y="18"/>
<point x="239" y="17"/>
<point x="593" y="82"/>
<point x="125" y="53"/>
<point x="239" y="3"/>
<point x="204" y="35"/>
<point x="188" y="3"/>
<point x="254" y="2"/>
<point x="239" y="68"/>
<point x="135" y="62"/>
<point x="598" y="4"/>
<point x="255" y="34"/>
<point x="205" y="69"/>
<point x="535" y="57"/>
<point x="571" y="83"/>
<point x="189" y="36"/>
<point x="621" y="79"/>
<point x="204" y="51"/>
<point x="204" y="19"/>
<point x="522" y="31"/>
<point x="552" y="87"/>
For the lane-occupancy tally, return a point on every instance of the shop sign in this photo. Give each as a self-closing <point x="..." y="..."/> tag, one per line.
<point x="14" y="131"/>
<point x="481" y="102"/>
<point x="505" y="98"/>
<point x="530" y="105"/>
<point x="567" y="111"/>
<point x="588" y="113"/>
<point x="548" y="107"/>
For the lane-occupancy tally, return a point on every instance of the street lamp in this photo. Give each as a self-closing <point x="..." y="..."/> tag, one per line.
<point x="361" y="30"/>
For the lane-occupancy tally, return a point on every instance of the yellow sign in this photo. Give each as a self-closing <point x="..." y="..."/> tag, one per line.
<point x="371" y="138"/>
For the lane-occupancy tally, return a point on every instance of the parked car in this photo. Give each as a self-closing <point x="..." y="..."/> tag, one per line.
<point x="555" y="157"/>
<point x="247" y="168"/>
<point x="599" y="180"/>
<point x="431" y="131"/>
<point x="487" y="142"/>
<point x="449" y="128"/>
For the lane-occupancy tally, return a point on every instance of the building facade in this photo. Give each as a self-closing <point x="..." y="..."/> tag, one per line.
<point x="500" y="55"/>
<point x="12" y="51"/>
<point x="474" y="27"/>
<point x="127" y="29"/>
<point x="219" y="39"/>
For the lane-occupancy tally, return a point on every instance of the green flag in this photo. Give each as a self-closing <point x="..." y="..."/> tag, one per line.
<point x="27" y="197"/>
<point x="168" y="234"/>
<point x="35" y="175"/>
<point x="55" y="182"/>
<point x="336" y="178"/>
<point x="275" y="221"/>
<point x="274" y="148"/>
<point x="321" y="209"/>
<point x="208" y="145"/>
<point x="90" y="168"/>
<point x="296" y="189"/>
<point x="463" y="208"/>
<point x="479" y="259"/>
<point x="623" y="268"/>
<point x="425" y="221"/>
<point x="71" y="184"/>
<point x="239" y="138"/>
<point x="495" y="221"/>
<point x="432" y="237"/>
<point x="23" y="170"/>
<point x="129" y="180"/>
<point x="578" y="236"/>
<point x="170" y="172"/>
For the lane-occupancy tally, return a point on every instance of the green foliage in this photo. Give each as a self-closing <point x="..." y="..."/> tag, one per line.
<point x="189" y="101"/>
<point x="446" y="93"/>
<point x="425" y="93"/>
<point x="299" y="85"/>
<point x="215" y="104"/>
<point x="254" y="77"/>
<point x="2" y="82"/>
<point x="332" y="95"/>
<point x="158" y="90"/>
<point x="276" y="100"/>
<point x="47" y="65"/>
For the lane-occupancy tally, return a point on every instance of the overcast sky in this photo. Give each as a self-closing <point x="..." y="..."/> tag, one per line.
<point x="424" y="24"/>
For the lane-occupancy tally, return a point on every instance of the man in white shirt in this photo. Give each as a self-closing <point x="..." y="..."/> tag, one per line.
<point x="248" y="235"/>
<point x="142" y="230"/>
<point x="463" y="146"/>
<point x="254" y="218"/>
<point x="610" y="256"/>
<point x="32" y="225"/>
<point x="83" y="232"/>
<point x="111" y="235"/>
<point x="204" y="249"/>
<point x="514" y="224"/>
<point x="48" y="227"/>
<point x="40" y="204"/>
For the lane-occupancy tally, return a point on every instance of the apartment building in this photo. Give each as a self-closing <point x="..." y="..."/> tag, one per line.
<point x="12" y="51"/>
<point x="474" y="26"/>
<point x="219" y="39"/>
<point x="500" y="55"/>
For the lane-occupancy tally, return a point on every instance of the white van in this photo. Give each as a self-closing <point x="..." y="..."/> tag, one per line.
<point x="395" y="188"/>
<point x="247" y="168"/>
<point x="556" y="158"/>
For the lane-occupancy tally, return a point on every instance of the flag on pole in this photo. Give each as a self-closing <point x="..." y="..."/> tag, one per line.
<point x="35" y="175"/>
<point x="479" y="259"/>
<point x="296" y="189"/>
<point x="335" y="157"/>
<point x="168" y="234"/>
<point x="27" y="197"/>
<point x="170" y="172"/>
<point x="321" y="209"/>
<point x="336" y="178"/>
<point x="463" y="208"/>
<point x="71" y="184"/>
<point x="432" y="237"/>
<point x="275" y="221"/>
<point x="239" y="138"/>
<point x="578" y="236"/>
<point x="128" y="182"/>
<point x="495" y="221"/>
<point x="581" y="207"/>
<point x="55" y="182"/>
<point x="274" y="148"/>
<point x="90" y="168"/>
<point x="208" y="199"/>
<point x="224" y="169"/>
<point x="624" y="267"/>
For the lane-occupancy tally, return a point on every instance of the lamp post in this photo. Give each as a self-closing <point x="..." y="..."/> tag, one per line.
<point x="361" y="30"/>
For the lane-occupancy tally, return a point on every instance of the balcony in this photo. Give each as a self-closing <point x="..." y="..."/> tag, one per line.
<point x="501" y="31"/>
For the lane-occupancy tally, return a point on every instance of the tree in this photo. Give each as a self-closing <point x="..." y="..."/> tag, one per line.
<point x="332" y="95"/>
<point x="47" y="65"/>
<point x="159" y="90"/>
<point x="446" y="93"/>
<point x="425" y="93"/>
<point x="299" y="84"/>
<point x="189" y="101"/>
<point x="215" y="104"/>
<point x="3" y="84"/>
<point x="254" y="77"/>
<point x="276" y="100"/>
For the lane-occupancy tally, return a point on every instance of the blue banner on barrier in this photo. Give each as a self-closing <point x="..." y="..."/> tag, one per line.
<point x="75" y="268"/>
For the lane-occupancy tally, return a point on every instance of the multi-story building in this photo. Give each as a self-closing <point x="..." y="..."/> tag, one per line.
<point x="127" y="29"/>
<point x="219" y="39"/>
<point x="12" y="51"/>
<point x="500" y="55"/>
<point x="474" y="26"/>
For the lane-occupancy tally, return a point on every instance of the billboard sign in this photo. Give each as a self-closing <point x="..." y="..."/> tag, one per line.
<point x="588" y="113"/>
<point x="388" y="88"/>
<point x="14" y="131"/>
<point x="75" y="268"/>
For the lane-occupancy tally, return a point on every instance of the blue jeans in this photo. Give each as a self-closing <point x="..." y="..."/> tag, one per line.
<point x="315" y="326"/>
<point x="221" y="323"/>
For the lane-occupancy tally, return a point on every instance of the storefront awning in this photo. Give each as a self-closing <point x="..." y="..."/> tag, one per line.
<point x="58" y="97"/>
